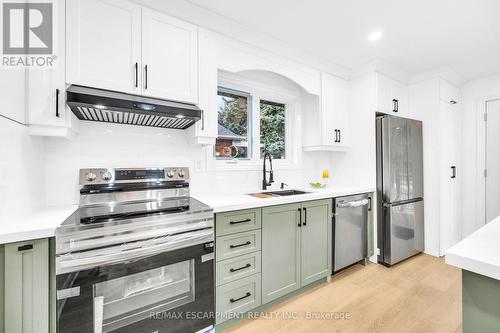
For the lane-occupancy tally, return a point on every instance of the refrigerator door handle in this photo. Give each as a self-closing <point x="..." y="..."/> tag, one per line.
<point x="453" y="172"/>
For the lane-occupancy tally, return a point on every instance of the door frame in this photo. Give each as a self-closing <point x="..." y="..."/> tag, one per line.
<point x="481" y="109"/>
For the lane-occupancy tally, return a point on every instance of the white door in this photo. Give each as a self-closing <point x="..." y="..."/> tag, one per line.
<point x="46" y="86"/>
<point x="103" y="44"/>
<point x="169" y="57"/>
<point x="384" y="94"/>
<point x="400" y="98"/>
<point x="449" y="202"/>
<point x="492" y="160"/>
<point x="334" y="110"/>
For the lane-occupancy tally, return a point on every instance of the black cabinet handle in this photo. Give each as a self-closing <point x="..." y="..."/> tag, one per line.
<point x="337" y="135"/>
<point x="395" y="105"/>
<point x="57" y="103"/>
<point x="202" y="120"/>
<point x="239" y="245"/>
<point x="136" y="66"/>
<point x="369" y="203"/>
<point x="300" y="217"/>
<point x="453" y="172"/>
<point x="242" y="221"/>
<point x="340" y="136"/>
<point x="25" y="247"/>
<point x="232" y="270"/>
<point x="232" y="300"/>
<point x="453" y="101"/>
<point x="145" y="77"/>
<point x="305" y="216"/>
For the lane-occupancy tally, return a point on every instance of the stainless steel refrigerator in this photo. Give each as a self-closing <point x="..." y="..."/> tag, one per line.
<point x="400" y="189"/>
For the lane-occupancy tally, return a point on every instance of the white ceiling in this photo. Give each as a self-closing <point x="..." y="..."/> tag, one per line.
<point x="418" y="35"/>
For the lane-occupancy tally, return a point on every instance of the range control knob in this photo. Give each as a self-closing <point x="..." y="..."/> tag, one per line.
<point x="107" y="175"/>
<point x="170" y="173"/>
<point x="181" y="173"/>
<point x="90" y="176"/>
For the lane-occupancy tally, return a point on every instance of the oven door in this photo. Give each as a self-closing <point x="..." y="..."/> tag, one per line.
<point x="168" y="292"/>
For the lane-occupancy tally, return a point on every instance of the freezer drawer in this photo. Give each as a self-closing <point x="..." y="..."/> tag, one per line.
<point x="404" y="231"/>
<point x="349" y="230"/>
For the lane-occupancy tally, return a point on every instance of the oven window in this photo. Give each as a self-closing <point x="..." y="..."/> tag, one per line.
<point x="126" y="300"/>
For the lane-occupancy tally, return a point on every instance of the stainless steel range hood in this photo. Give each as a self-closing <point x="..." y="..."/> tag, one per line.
<point x="114" y="107"/>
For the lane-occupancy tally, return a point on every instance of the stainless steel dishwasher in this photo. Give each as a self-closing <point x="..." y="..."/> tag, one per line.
<point x="349" y="230"/>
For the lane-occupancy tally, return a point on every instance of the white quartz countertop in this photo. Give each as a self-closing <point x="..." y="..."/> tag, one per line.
<point x="41" y="223"/>
<point x="228" y="202"/>
<point x="479" y="252"/>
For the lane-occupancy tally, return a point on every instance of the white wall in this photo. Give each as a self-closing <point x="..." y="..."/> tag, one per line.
<point x="473" y="94"/>
<point x="22" y="170"/>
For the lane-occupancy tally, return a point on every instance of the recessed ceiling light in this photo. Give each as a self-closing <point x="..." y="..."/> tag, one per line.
<point x="375" y="36"/>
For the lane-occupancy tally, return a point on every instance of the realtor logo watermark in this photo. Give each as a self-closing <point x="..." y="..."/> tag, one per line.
<point x="27" y="34"/>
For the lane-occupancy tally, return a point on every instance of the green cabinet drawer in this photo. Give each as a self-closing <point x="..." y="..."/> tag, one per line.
<point x="231" y="246"/>
<point x="238" y="297"/>
<point x="242" y="220"/>
<point x="236" y="268"/>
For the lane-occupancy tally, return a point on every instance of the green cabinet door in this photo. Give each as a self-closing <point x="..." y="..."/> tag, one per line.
<point x="26" y="267"/>
<point x="280" y="251"/>
<point x="316" y="234"/>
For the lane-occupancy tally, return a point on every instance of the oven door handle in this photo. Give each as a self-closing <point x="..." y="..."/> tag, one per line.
<point x="75" y="262"/>
<point x="98" y="313"/>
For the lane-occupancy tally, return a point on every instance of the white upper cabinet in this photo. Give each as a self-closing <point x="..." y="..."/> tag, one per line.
<point x="118" y="45"/>
<point x="392" y="96"/>
<point x="169" y="57"/>
<point x="206" y="128"/>
<point x="327" y="127"/>
<point x="103" y="44"/>
<point x="46" y="86"/>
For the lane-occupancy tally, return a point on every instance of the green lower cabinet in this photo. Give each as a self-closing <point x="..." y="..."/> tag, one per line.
<point x="296" y="246"/>
<point x="480" y="303"/>
<point x="26" y="283"/>
<point x="315" y="241"/>
<point x="280" y="251"/>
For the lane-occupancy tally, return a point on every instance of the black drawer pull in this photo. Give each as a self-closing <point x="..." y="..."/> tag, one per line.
<point x="242" y="221"/>
<point x="239" y="245"/>
<point x="25" y="247"/>
<point x="232" y="270"/>
<point x="305" y="217"/>
<point x="233" y="300"/>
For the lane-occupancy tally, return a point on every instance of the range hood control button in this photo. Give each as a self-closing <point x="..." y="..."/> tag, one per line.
<point x="90" y="176"/>
<point x="170" y="173"/>
<point x="107" y="175"/>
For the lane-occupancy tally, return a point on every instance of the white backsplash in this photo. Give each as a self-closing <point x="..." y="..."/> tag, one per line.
<point x="22" y="170"/>
<point x="109" y="145"/>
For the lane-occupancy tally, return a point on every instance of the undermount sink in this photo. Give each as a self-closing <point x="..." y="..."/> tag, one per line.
<point x="281" y="193"/>
<point x="286" y="192"/>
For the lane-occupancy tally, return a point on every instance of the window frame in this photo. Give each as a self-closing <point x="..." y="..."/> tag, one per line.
<point x="259" y="91"/>
<point x="250" y="108"/>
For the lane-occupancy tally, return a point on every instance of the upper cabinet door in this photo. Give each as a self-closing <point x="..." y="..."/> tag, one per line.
<point x="103" y="44"/>
<point x="169" y="57"/>
<point x="334" y="110"/>
<point x="392" y="96"/>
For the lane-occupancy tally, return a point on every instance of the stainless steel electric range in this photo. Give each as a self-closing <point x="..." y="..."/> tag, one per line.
<point x="137" y="256"/>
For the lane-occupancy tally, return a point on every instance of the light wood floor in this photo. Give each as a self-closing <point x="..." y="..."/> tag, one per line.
<point x="422" y="294"/>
